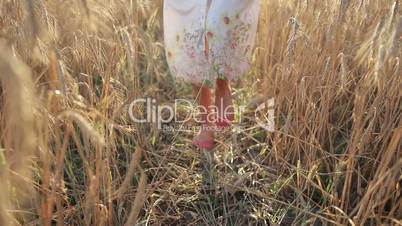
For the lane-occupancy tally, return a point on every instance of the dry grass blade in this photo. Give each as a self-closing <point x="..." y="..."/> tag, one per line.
<point x="88" y="130"/>
<point x="396" y="39"/>
<point x="292" y="41"/>
<point x="33" y="19"/>
<point x="344" y="71"/>
<point x="17" y="133"/>
<point x="140" y="197"/>
<point x="134" y="164"/>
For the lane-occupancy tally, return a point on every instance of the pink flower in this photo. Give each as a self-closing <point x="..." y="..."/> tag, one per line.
<point x="192" y="53"/>
<point x="210" y="34"/>
<point x="226" y="20"/>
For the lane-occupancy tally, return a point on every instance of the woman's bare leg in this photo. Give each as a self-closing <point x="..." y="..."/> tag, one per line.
<point x="205" y="138"/>
<point x="224" y="103"/>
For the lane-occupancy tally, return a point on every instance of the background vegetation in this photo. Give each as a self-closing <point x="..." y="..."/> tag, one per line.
<point x="70" y="155"/>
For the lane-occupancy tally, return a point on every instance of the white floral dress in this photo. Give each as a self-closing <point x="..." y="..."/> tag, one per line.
<point x="210" y="39"/>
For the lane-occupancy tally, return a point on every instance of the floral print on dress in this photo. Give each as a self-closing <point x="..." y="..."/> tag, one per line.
<point x="204" y="42"/>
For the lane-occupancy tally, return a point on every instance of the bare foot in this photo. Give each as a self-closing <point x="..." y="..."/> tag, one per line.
<point x="224" y="104"/>
<point x="204" y="139"/>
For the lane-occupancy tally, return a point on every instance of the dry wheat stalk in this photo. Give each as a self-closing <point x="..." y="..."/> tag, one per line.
<point x="140" y="197"/>
<point x="345" y="4"/>
<point x="128" y="47"/>
<point x="292" y="41"/>
<point x="18" y="133"/>
<point x="134" y="164"/>
<point x="378" y="79"/>
<point x="87" y="130"/>
<point x="375" y="41"/>
<point x="33" y="19"/>
<point x="396" y="39"/>
<point x="344" y="71"/>
<point x="393" y="16"/>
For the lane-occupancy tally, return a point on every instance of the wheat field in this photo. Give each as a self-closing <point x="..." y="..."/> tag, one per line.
<point x="71" y="155"/>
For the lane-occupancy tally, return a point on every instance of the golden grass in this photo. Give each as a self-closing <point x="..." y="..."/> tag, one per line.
<point x="70" y="155"/>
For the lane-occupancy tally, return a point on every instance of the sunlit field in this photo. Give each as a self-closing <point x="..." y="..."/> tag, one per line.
<point x="70" y="154"/>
